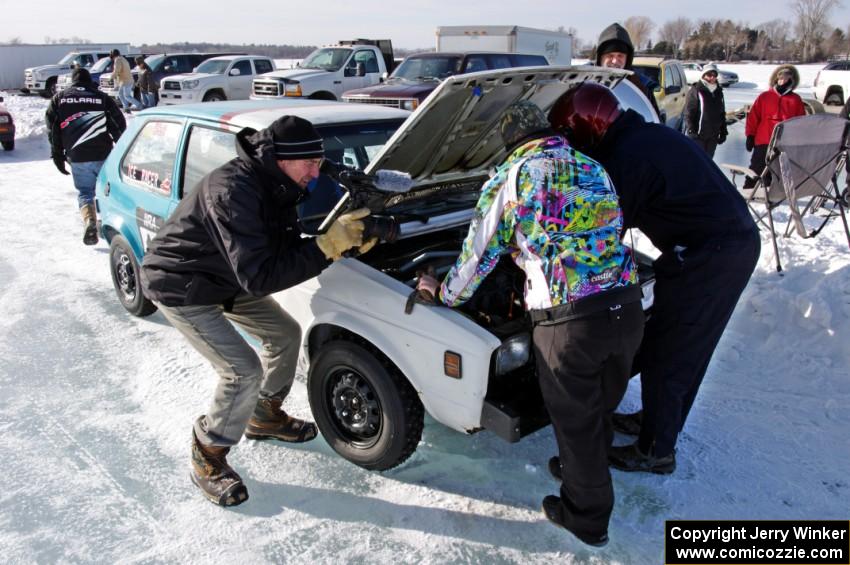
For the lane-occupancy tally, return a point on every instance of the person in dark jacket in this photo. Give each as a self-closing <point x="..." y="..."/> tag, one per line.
<point x="147" y="85"/>
<point x="232" y="242"/>
<point x="777" y="104"/>
<point x="675" y="194"/>
<point x="82" y="125"/>
<point x="705" y="111"/>
<point x="614" y="49"/>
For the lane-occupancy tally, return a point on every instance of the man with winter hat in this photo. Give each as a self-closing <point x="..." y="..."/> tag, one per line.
<point x="555" y="211"/>
<point x="776" y="104"/>
<point x="82" y="125"/>
<point x="705" y="111"/>
<point x="614" y="49"/>
<point x="231" y="243"/>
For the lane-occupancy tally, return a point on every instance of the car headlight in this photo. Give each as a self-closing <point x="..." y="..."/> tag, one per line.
<point x="4" y="119"/>
<point x="409" y="104"/>
<point x="513" y="353"/>
<point x="189" y="84"/>
<point x="292" y="89"/>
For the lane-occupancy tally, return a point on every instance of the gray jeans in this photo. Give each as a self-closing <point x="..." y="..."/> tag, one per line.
<point x="243" y="375"/>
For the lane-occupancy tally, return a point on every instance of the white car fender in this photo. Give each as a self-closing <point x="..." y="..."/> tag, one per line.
<point x="353" y="295"/>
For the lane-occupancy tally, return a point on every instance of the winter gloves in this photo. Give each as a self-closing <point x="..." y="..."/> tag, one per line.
<point x="59" y="161"/>
<point x="427" y="291"/>
<point x="751" y="142"/>
<point x="345" y="233"/>
<point x="721" y="138"/>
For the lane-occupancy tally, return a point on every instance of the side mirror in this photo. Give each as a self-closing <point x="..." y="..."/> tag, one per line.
<point x="1" y="99"/>
<point x="361" y="69"/>
<point x="235" y="72"/>
<point x="167" y="68"/>
<point x="384" y="76"/>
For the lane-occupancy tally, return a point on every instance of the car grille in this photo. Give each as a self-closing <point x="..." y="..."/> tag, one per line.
<point x="106" y="82"/>
<point x="267" y="88"/>
<point x="171" y="85"/>
<point x="28" y="75"/>
<point x="389" y="102"/>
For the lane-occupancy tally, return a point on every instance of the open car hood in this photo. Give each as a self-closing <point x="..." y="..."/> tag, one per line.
<point x="453" y="137"/>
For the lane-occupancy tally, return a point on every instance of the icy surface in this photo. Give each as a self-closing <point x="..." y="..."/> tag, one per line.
<point x="97" y="406"/>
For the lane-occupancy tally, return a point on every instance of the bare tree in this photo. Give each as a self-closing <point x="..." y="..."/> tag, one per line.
<point x="639" y="28"/>
<point x="676" y="32"/>
<point x="812" y="16"/>
<point x="12" y="41"/>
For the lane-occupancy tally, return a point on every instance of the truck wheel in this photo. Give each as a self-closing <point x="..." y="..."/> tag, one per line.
<point x="214" y="96"/>
<point x="366" y="410"/>
<point x="49" y="88"/>
<point x="322" y="96"/>
<point x="9" y="145"/>
<point x="125" y="278"/>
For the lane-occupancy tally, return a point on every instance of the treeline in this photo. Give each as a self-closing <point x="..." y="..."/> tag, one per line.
<point x="809" y="37"/>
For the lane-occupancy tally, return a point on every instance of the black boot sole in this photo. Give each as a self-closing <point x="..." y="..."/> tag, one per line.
<point x="90" y="235"/>
<point x="234" y="496"/>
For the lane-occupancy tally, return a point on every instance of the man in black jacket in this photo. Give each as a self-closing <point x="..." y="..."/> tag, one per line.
<point x="229" y="245"/>
<point x="675" y="194"/>
<point x="705" y="111"/>
<point x="82" y="125"/>
<point x="615" y="50"/>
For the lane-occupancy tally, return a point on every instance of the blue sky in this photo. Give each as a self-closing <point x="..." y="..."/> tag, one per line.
<point x="408" y="24"/>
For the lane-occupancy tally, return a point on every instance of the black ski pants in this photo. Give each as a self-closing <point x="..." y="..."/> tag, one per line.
<point x="757" y="164"/>
<point x="583" y="367"/>
<point x="695" y="294"/>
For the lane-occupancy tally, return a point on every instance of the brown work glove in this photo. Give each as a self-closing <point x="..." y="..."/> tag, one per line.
<point x="345" y="233"/>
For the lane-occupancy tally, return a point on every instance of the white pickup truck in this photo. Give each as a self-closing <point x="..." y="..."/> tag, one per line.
<point x="832" y="83"/>
<point x="219" y="78"/>
<point x="42" y="79"/>
<point x="329" y="71"/>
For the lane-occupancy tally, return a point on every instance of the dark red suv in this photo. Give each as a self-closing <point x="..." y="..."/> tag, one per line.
<point x="7" y="128"/>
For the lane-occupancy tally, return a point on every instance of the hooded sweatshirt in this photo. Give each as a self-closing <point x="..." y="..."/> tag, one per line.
<point x="235" y="233"/>
<point x="615" y="33"/>
<point x="773" y="106"/>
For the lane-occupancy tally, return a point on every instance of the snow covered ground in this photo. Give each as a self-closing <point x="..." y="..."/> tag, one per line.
<point x="97" y="406"/>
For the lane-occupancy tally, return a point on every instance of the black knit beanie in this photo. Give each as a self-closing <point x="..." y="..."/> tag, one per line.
<point x="296" y="138"/>
<point x="80" y="76"/>
<point x="612" y="46"/>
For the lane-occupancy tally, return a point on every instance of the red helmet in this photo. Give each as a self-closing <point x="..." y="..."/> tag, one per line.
<point x="584" y="113"/>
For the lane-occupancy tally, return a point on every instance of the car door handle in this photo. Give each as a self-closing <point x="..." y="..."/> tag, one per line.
<point x="337" y="82"/>
<point x="106" y="190"/>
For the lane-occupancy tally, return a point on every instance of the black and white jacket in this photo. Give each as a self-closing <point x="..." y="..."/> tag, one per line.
<point x="83" y="123"/>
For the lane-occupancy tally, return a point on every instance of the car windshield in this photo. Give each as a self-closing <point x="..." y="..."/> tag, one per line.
<point x="328" y="59"/>
<point x="213" y="66"/>
<point x="427" y="68"/>
<point x="155" y="62"/>
<point x="101" y="65"/>
<point x="350" y="145"/>
<point x="67" y="59"/>
<point x="649" y="72"/>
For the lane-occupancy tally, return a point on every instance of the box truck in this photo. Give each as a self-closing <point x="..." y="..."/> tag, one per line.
<point x="556" y="46"/>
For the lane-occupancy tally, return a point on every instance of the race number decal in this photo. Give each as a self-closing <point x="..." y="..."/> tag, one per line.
<point x="148" y="224"/>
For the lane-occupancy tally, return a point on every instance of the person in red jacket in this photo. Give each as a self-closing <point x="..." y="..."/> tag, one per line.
<point x="776" y="104"/>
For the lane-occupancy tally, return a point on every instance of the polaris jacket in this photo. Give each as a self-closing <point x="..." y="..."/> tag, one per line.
<point x="83" y="123"/>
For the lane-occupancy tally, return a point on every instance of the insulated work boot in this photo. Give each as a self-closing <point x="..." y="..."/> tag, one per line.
<point x="627" y="424"/>
<point x="630" y="458"/>
<point x="554" y="511"/>
<point x="90" y="222"/>
<point x="216" y="479"/>
<point x="271" y="422"/>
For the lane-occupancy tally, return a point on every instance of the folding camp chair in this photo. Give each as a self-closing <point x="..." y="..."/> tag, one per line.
<point x="804" y="158"/>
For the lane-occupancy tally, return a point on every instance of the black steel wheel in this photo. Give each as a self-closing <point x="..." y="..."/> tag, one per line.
<point x="364" y="407"/>
<point x="125" y="278"/>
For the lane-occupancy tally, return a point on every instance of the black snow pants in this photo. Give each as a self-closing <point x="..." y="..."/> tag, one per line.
<point x="583" y="360"/>
<point x="708" y="145"/>
<point x="695" y="294"/>
<point x="757" y="164"/>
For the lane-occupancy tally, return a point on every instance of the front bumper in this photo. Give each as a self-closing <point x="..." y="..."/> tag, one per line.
<point x="172" y="97"/>
<point x="33" y="84"/>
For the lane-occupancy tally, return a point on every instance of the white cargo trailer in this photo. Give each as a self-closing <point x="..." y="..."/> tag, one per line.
<point x="556" y="46"/>
<point x="15" y="59"/>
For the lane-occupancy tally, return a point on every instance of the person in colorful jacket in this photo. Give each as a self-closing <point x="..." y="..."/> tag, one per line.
<point x="555" y="211"/>
<point x="776" y="104"/>
<point x="705" y="112"/>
